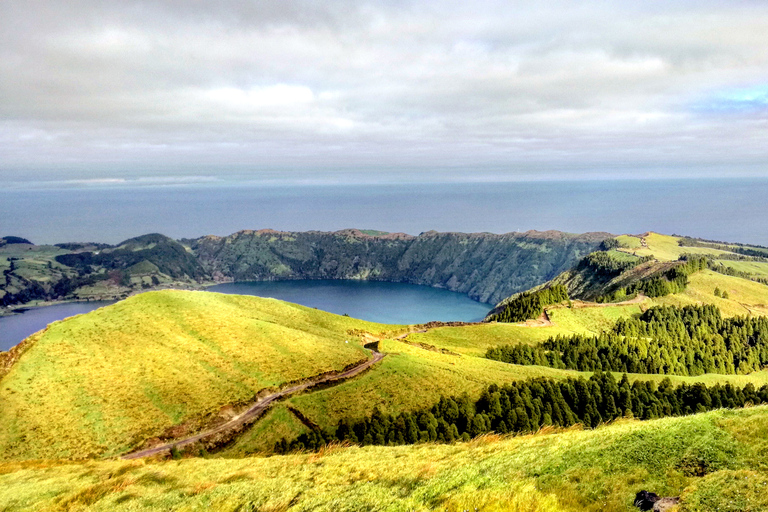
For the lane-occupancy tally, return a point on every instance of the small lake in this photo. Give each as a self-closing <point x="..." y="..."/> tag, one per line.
<point x="15" y="328"/>
<point x="389" y="303"/>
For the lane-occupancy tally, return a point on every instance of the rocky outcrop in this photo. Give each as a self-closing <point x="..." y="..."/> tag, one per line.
<point x="645" y="501"/>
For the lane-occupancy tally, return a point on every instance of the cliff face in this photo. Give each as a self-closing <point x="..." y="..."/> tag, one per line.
<point x="485" y="266"/>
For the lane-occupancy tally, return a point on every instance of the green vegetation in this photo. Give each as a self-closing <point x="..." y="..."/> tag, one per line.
<point x="164" y="254"/>
<point x="715" y="461"/>
<point x="9" y="240"/>
<point x="610" y="263"/>
<point x="278" y="423"/>
<point x="162" y="365"/>
<point x="34" y="274"/>
<point x="747" y="269"/>
<point x="412" y="378"/>
<point x="527" y="306"/>
<point x="631" y="265"/>
<point x="670" y="281"/>
<point x="485" y="266"/>
<point x="662" y="247"/>
<point x="167" y="363"/>
<point x="102" y="383"/>
<point x="527" y="406"/>
<point x="744" y="296"/>
<point x="692" y="340"/>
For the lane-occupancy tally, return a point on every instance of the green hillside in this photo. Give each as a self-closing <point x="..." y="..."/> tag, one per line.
<point x="164" y="364"/>
<point x="447" y="361"/>
<point x="101" y="383"/>
<point x="715" y="462"/>
<point x="658" y="269"/>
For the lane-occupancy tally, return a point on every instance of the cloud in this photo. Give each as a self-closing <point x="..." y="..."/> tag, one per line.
<point x="105" y="88"/>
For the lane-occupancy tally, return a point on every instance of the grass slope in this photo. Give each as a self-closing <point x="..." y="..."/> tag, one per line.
<point x="164" y="359"/>
<point x="661" y="247"/>
<point x="745" y="296"/>
<point x="411" y="378"/>
<point x="476" y="339"/>
<point x="715" y="461"/>
<point x="100" y="383"/>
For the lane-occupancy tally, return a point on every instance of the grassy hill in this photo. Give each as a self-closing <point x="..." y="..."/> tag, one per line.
<point x="607" y="275"/>
<point x="163" y="364"/>
<point x="715" y="462"/>
<point x="443" y="361"/>
<point x="101" y="383"/>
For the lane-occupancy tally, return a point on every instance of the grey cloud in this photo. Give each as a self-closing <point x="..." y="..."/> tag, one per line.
<point x="110" y="86"/>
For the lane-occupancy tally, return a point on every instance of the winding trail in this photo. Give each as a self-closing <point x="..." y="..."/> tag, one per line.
<point x="257" y="408"/>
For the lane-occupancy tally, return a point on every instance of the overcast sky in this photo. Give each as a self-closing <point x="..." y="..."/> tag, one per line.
<point x="98" y="90"/>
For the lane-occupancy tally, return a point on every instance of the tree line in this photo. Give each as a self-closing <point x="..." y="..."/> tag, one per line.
<point x="530" y="305"/>
<point x="729" y="271"/>
<point x="604" y="264"/>
<point x="674" y="280"/>
<point x="526" y="406"/>
<point x="759" y="252"/>
<point x="690" y="340"/>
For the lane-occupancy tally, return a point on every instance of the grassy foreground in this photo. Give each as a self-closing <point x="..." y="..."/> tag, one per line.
<point x="162" y="364"/>
<point x="716" y="461"/>
<point x="101" y="383"/>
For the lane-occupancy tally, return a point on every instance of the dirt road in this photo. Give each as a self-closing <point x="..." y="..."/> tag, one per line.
<point x="257" y="408"/>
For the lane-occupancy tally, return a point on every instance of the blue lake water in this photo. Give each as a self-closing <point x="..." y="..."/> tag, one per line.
<point x="389" y="303"/>
<point x="15" y="328"/>
<point x="720" y="209"/>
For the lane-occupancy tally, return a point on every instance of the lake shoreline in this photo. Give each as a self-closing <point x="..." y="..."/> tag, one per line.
<point x="377" y="301"/>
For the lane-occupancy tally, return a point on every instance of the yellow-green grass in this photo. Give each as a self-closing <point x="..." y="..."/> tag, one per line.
<point x="276" y="424"/>
<point x="477" y="339"/>
<point x="662" y="247"/>
<point x="101" y="383"/>
<point x="622" y="255"/>
<point x="629" y="242"/>
<point x="565" y="471"/>
<point x="594" y="320"/>
<point x="411" y="378"/>
<point x="31" y="262"/>
<point x="756" y="268"/>
<point x="744" y="296"/>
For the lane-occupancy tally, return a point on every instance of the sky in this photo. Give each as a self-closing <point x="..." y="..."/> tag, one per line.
<point x="170" y="91"/>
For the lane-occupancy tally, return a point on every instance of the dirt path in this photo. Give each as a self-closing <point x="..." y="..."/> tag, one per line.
<point x="257" y="408"/>
<point x="405" y="335"/>
<point x="542" y="321"/>
<point x="545" y="321"/>
<point x="578" y="304"/>
<point x="637" y="300"/>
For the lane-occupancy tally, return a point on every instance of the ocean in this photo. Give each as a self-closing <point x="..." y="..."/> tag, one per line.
<point x="719" y="209"/>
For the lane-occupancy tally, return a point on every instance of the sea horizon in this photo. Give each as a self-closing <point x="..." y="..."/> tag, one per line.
<point x="110" y="213"/>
